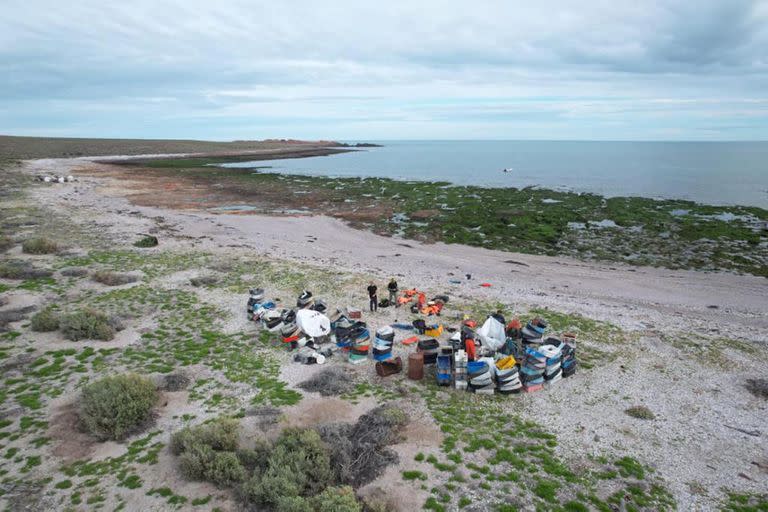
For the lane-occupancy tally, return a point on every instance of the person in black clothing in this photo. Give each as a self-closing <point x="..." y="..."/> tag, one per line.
<point x="372" y="295"/>
<point x="392" y="287"/>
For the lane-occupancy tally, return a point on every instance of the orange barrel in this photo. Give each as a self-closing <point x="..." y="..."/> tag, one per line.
<point x="416" y="366"/>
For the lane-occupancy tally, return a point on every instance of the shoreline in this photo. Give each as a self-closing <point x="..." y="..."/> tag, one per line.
<point x="633" y="230"/>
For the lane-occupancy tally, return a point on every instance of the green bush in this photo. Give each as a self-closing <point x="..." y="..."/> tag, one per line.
<point x="207" y="452"/>
<point x="39" y="246"/>
<point x="194" y="461"/>
<point x="114" y="407"/>
<point x="298" y="465"/>
<point x="337" y="499"/>
<point x="225" y="470"/>
<point x="220" y="435"/>
<point x="146" y="241"/>
<point x="86" y="324"/>
<point x="46" y="320"/>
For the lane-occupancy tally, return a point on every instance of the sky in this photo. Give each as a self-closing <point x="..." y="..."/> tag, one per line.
<point x="363" y="70"/>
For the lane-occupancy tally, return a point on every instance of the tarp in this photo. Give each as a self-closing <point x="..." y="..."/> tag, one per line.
<point x="492" y="334"/>
<point x="313" y="323"/>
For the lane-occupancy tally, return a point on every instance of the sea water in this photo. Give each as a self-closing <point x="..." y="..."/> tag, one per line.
<point x="720" y="173"/>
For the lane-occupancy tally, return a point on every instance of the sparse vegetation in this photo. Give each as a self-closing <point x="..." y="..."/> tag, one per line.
<point x="640" y="412"/>
<point x="16" y="269"/>
<point x="113" y="278"/>
<point x="207" y="280"/>
<point x="146" y="241"/>
<point x="113" y="407"/>
<point x="39" y="245"/>
<point x="87" y="324"/>
<point x="6" y="243"/>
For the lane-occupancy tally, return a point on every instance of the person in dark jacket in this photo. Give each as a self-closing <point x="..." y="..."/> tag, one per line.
<point x="372" y="289"/>
<point x="392" y="287"/>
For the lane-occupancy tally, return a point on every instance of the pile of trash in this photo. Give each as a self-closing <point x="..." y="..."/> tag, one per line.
<point x="496" y="357"/>
<point x="305" y="327"/>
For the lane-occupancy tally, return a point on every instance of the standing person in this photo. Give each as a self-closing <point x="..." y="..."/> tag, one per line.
<point x="372" y="289"/>
<point x="392" y="287"/>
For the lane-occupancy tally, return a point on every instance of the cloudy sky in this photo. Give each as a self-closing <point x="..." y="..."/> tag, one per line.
<point x="423" y="69"/>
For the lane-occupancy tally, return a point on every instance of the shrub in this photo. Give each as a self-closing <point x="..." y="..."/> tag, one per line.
<point x="224" y="469"/>
<point x="203" y="281"/>
<point x="194" y="461"/>
<point x="758" y="387"/>
<point x="46" y="320"/>
<point x="207" y="452"/>
<point x="74" y="272"/>
<point x="6" y="243"/>
<point x="16" y="269"/>
<point x="358" y="452"/>
<point x="337" y="499"/>
<point x="256" y="458"/>
<point x="221" y="435"/>
<point x="292" y="504"/>
<point x="113" y="407"/>
<point x="39" y="246"/>
<point x="640" y="412"/>
<point x="146" y="241"/>
<point x="175" y="382"/>
<point x="86" y="324"/>
<point x="298" y="465"/>
<point x="113" y="278"/>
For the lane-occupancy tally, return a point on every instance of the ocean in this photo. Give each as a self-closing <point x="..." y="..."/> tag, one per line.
<point x="718" y="173"/>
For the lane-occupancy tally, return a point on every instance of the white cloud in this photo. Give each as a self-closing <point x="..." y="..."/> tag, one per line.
<point x="372" y="66"/>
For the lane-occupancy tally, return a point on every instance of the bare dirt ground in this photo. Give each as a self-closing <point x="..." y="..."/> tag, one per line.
<point x="698" y="400"/>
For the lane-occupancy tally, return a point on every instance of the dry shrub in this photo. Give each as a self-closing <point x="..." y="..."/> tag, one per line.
<point x="330" y="381"/>
<point x="359" y="452"/>
<point x="758" y="387"/>
<point x="17" y="269"/>
<point x="175" y="382"/>
<point x="87" y="324"/>
<point x="114" y="407"/>
<point x="74" y="272"/>
<point x="6" y="243"/>
<point x="640" y="412"/>
<point x="109" y="278"/>
<point x="39" y="245"/>
<point x="14" y="315"/>
<point x="203" y="281"/>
